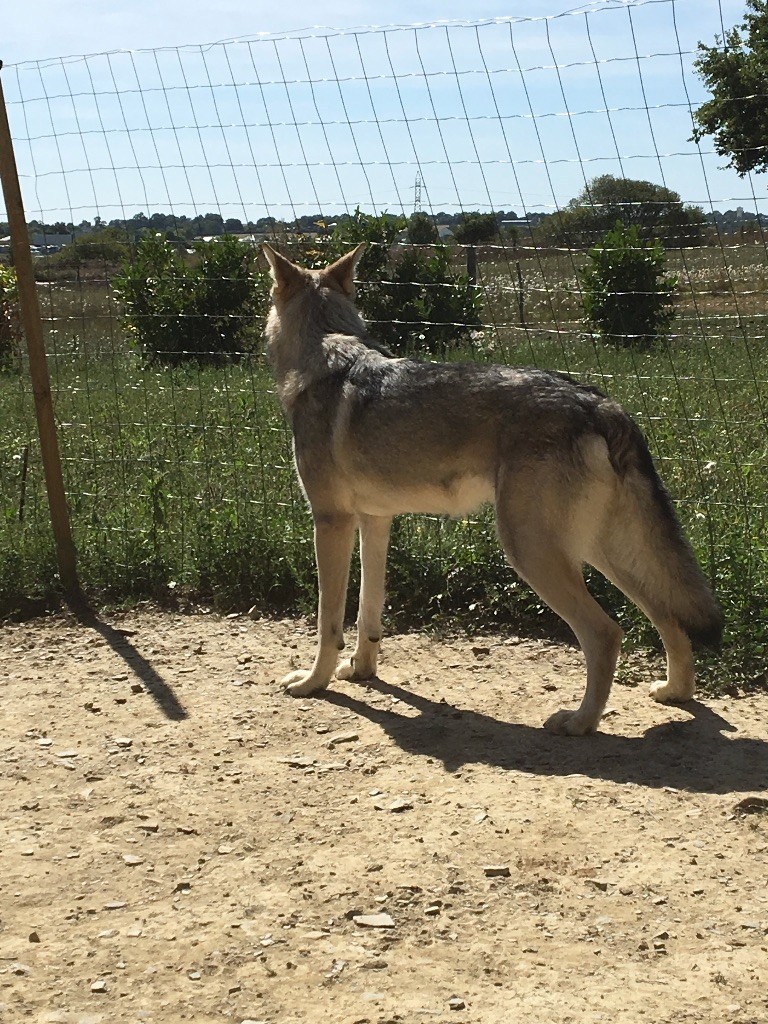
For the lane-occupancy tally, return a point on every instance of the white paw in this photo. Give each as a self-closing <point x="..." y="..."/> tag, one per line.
<point x="665" y="693"/>
<point x="301" y="684"/>
<point x="351" y="668"/>
<point x="569" y="723"/>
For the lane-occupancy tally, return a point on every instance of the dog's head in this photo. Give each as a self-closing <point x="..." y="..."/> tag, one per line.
<point x="289" y="280"/>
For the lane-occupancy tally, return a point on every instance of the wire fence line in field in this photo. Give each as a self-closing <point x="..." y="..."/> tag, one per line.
<point x="179" y="477"/>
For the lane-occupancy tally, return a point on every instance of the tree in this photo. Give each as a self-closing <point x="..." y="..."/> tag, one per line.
<point x="204" y="310"/>
<point x="476" y="228"/>
<point x="421" y="229"/>
<point x="656" y="211"/>
<point x="736" y="73"/>
<point x="627" y="294"/>
<point x="412" y="299"/>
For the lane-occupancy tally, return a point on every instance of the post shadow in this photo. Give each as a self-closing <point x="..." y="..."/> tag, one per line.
<point x="160" y="691"/>
<point x="694" y="755"/>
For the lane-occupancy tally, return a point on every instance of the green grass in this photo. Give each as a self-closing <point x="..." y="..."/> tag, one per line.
<point x="182" y="489"/>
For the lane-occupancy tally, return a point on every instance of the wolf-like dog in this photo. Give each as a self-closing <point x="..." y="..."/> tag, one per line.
<point x="568" y="470"/>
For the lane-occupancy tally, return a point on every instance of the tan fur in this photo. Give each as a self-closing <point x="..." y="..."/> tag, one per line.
<point x="567" y="470"/>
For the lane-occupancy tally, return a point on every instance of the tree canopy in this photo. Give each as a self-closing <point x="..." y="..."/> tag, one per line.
<point x="476" y="228"/>
<point x="736" y="73"/>
<point x="421" y="229"/>
<point x="656" y="212"/>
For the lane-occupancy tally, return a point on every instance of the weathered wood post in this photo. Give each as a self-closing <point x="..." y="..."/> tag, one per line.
<point x="38" y="366"/>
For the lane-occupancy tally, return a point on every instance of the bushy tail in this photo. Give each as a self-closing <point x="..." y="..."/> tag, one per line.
<point x="648" y="541"/>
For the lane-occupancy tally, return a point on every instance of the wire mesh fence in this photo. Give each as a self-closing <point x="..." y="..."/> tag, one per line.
<point x="178" y="471"/>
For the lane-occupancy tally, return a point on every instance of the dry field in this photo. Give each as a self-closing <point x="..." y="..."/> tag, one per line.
<point x="181" y="842"/>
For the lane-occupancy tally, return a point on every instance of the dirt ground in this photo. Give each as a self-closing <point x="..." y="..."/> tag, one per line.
<point x="181" y="842"/>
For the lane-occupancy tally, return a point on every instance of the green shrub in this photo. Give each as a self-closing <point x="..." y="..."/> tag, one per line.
<point x="421" y="229"/>
<point x="208" y="309"/>
<point x="627" y="294"/>
<point x="413" y="300"/>
<point x="10" y="322"/>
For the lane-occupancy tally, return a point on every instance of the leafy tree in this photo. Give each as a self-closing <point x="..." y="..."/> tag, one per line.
<point x="204" y="310"/>
<point x="627" y="294"/>
<point x="654" y="210"/>
<point x="412" y="298"/>
<point x="736" y="73"/>
<point x="421" y="229"/>
<point x="476" y="228"/>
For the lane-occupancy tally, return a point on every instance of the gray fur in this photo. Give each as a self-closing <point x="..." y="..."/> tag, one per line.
<point x="566" y="467"/>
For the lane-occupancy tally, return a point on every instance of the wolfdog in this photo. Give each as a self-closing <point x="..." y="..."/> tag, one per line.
<point x="568" y="470"/>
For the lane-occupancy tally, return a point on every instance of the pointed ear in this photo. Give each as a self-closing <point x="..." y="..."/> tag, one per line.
<point x="341" y="274"/>
<point x="286" y="275"/>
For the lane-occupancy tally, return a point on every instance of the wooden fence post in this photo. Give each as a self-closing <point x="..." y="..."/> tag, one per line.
<point x="38" y="366"/>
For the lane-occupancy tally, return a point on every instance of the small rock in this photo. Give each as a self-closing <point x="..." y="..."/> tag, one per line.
<point x="496" y="871"/>
<point x="224" y="849"/>
<point x="749" y="805"/>
<point x="297" y="762"/>
<point x="399" y="805"/>
<point x="149" y="826"/>
<point x="99" y="986"/>
<point x="342" y="737"/>
<point x="20" y="969"/>
<point x="132" y="860"/>
<point x="599" y="883"/>
<point x="454" y="1003"/>
<point x="373" y="921"/>
<point x="66" y="753"/>
<point x="123" y="741"/>
<point x="114" y="905"/>
<point x="194" y="975"/>
<point x="34" y="937"/>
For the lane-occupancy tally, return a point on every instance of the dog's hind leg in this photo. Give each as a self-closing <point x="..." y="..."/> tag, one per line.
<point x="680" y="684"/>
<point x="374" y="539"/>
<point x="536" y="532"/>
<point x="334" y="538"/>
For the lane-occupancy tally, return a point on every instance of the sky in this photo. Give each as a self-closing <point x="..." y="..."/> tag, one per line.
<point x="246" y="109"/>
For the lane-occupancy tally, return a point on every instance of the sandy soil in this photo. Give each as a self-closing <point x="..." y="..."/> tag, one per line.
<point x="181" y="842"/>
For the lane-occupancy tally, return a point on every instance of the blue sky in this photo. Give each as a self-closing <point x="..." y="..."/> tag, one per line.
<point x="514" y="110"/>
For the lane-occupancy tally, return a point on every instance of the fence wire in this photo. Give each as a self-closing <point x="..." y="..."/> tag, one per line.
<point x="179" y="479"/>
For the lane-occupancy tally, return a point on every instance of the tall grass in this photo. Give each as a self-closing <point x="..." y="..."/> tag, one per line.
<point x="181" y="485"/>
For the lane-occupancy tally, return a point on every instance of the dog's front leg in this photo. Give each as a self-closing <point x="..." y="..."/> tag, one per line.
<point x="334" y="537"/>
<point x="374" y="539"/>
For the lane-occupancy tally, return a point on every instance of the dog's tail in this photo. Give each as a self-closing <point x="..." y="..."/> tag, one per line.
<point x="647" y="548"/>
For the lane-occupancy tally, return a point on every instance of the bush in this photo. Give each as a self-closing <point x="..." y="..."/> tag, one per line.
<point x="207" y="309"/>
<point x="412" y="299"/>
<point x="627" y="295"/>
<point x="421" y="229"/>
<point x="10" y="322"/>
<point x="476" y="228"/>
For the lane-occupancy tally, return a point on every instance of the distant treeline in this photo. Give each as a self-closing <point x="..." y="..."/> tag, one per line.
<point x="181" y="228"/>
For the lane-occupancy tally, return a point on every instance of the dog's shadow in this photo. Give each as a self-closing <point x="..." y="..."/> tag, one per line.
<point x="695" y="755"/>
